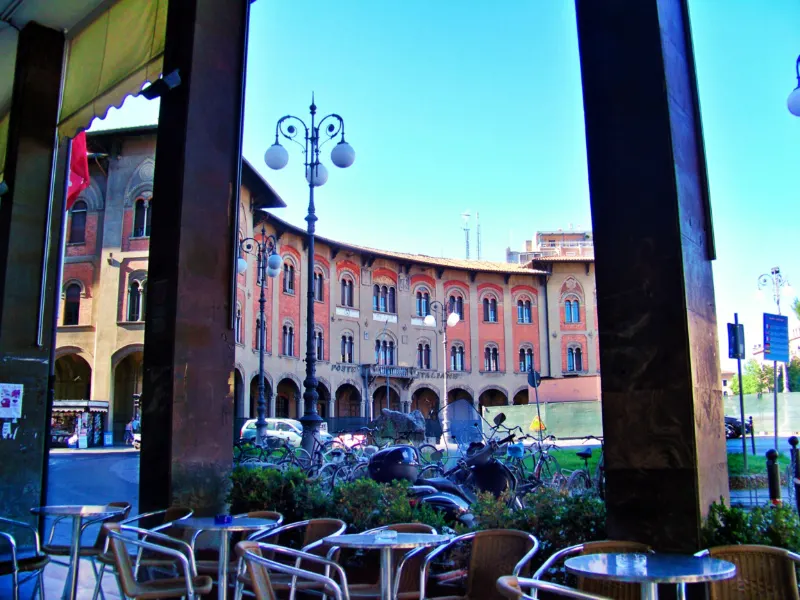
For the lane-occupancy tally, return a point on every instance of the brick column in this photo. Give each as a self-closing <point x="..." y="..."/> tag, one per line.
<point x="24" y="212"/>
<point x="187" y="399"/>
<point x="662" y="415"/>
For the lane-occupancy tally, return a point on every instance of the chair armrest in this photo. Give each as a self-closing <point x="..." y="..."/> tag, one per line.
<point x="331" y="587"/>
<point x="186" y="562"/>
<point x="301" y="555"/>
<point x="139" y="517"/>
<point x="143" y="542"/>
<point x="27" y="526"/>
<point x="702" y="553"/>
<point x="11" y="542"/>
<point x="553" y="559"/>
<point x="401" y="565"/>
<point x="423" y="573"/>
<point x="56" y="521"/>
<point x="527" y="558"/>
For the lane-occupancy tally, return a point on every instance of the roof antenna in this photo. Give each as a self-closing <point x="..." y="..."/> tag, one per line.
<point x="478" y="221"/>
<point x="465" y="215"/>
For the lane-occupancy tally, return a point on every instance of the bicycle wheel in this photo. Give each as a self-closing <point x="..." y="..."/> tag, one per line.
<point x="550" y="471"/>
<point x="325" y="476"/>
<point x="430" y="471"/>
<point x="579" y="483"/>
<point x="296" y="457"/>
<point x="426" y="452"/>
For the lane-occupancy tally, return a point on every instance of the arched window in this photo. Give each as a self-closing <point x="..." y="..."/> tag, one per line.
<point x="347" y="348"/>
<point x="347" y="292"/>
<point x="523" y="311"/>
<point x="491" y="359"/>
<point x="77" y="223"/>
<point x="568" y="311"/>
<point x="578" y="359"/>
<point x="525" y="359"/>
<point x="455" y="304"/>
<point x="238" y="326"/>
<point x="141" y="218"/>
<point x="319" y="287"/>
<point x="457" y="358"/>
<point x="391" y="306"/>
<point x="390" y="353"/>
<point x="288" y="340"/>
<point x="72" y="304"/>
<point x="570" y="359"/>
<point x="319" y="346"/>
<point x="423" y="303"/>
<point x="576" y="312"/>
<point x="288" y="278"/>
<point x="135" y="301"/>
<point x="490" y="310"/>
<point x="424" y="356"/>
<point x="384" y="352"/>
<point x="384" y="298"/>
<point x="376" y="294"/>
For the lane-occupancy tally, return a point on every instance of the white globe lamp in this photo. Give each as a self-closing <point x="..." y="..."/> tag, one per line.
<point x="429" y="321"/>
<point x="453" y="320"/>
<point x="319" y="175"/>
<point x="343" y="155"/>
<point x="241" y="265"/>
<point x="793" y="103"/>
<point x="276" y="157"/>
<point x="274" y="264"/>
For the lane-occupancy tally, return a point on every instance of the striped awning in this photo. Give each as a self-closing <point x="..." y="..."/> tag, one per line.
<point x="79" y="406"/>
<point x="113" y="47"/>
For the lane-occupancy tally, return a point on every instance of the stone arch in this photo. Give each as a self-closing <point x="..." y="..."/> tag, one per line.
<point x="124" y="352"/>
<point x="269" y="390"/>
<point x="571" y="286"/>
<point x="354" y="382"/>
<point x="69" y="282"/>
<point x="519" y="394"/>
<point x="77" y="350"/>
<point x="493" y="395"/>
<point x="426" y="399"/>
<point x="73" y="377"/>
<point x="267" y="378"/>
<point x="286" y="396"/>
<point x="93" y="196"/>
<point x="298" y="382"/>
<point x="140" y="184"/>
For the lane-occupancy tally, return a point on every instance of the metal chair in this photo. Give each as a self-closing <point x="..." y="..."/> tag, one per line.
<point x="22" y="559"/>
<point x="762" y="572"/>
<point x="493" y="552"/>
<point x="262" y="571"/>
<point x="187" y="585"/>
<point x="164" y="519"/>
<point x="314" y="532"/>
<point x="614" y="589"/>
<point x="513" y="588"/>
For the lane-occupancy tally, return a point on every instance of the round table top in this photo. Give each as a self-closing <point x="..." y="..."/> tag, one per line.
<point x="650" y="568"/>
<point x="371" y="540"/>
<point x="78" y="510"/>
<point x="237" y="524"/>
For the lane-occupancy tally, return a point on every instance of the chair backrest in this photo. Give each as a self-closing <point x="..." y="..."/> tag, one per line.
<point x="614" y="589"/>
<point x="318" y="529"/>
<point x="259" y="577"/>
<point x="265" y="514"/>
<point x="100" y="541"/>
<point x="514" y="589"/>
<point x="125" y="572"/>
<point x="495" y="552"/>
<point x="762" y="572"/>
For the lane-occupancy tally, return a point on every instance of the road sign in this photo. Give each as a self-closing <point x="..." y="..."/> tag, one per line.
<point x="534" y="379"/>
<point x="776" y="338"/>
<point x="735" y="341"/>
<point x="537" y="424"/>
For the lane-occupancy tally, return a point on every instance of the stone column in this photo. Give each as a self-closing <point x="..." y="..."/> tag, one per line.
<point x="662" y="415"/>
<point x="187" y="400"/>
<point x="24" y="212"/>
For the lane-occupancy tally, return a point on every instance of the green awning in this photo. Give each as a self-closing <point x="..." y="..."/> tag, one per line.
<point x="107" y="60"/>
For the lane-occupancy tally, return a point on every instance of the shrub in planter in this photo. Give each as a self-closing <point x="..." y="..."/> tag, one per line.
<point x="768" y="525"/>
<point x="289" y="492"/>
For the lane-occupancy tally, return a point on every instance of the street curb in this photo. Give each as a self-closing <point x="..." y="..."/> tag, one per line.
<point x="91" y="451"/>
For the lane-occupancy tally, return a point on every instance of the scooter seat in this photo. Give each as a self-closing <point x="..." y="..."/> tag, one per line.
<point x="441" y="484"/>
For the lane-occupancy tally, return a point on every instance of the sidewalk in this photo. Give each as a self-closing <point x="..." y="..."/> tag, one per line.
<point x="98" y="450"/>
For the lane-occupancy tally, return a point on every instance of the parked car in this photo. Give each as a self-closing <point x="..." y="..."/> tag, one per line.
<point x="290" y="430"/>
<point x="733" y="427"/>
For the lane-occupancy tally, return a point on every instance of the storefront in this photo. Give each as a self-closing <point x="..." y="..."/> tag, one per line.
<point x="78" y="423"/>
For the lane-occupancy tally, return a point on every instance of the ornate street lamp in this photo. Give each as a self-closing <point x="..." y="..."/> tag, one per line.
<point x="276" y="158"/>
<point x="439" y="310"/>
<point x="269" y="265"/>
<point x="793" y="102"/>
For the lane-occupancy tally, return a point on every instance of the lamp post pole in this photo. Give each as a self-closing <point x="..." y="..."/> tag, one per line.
<point x="793" y="102"/>
<point x="447" y="321"/>
<point x="277" y="157"/>
<point x="268" y="264"/>
<point x="775" y="279"/>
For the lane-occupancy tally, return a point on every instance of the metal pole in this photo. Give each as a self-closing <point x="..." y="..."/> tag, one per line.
<point x="741" y="400"/>
<point x="444" y="366"/>
<point x="773" y="477"/>
<point x="386" y="366"/>
<point x="775" y="397"/>
<point x="311" y="418"/>
<point x="261" y="422"/>
<point x="795" y="471"/>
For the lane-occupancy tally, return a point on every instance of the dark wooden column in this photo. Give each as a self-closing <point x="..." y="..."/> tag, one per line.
<point x="662" y="402"/>
<point x="187" y="396"/>
<point x="26" y="327"/>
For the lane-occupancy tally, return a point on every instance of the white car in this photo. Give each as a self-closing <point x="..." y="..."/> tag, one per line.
<point x="290" y="430"/>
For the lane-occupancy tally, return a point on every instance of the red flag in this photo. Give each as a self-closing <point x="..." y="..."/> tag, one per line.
<point x="78" y="169"/>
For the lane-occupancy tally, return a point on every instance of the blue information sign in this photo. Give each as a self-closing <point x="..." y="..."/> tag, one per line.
<point x="776" y="338"/>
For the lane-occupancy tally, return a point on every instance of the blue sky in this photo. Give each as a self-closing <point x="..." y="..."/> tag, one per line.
<point x="456" y="106"/>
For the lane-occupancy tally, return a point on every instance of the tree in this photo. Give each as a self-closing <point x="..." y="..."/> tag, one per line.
<point x="796" y="307"/>
<point x="794" y="373"/>
<point x="751" y="378"/>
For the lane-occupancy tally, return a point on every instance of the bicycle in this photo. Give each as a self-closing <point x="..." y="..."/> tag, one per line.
<point x="580" y="481"/>
<point x="546" y="468"/>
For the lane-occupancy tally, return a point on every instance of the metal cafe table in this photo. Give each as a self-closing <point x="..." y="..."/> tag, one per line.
<point x="78" y="513"/>
<point x="236" y="524"/>
<point x="649" y="570"/>
<point x="377" y="541"/>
